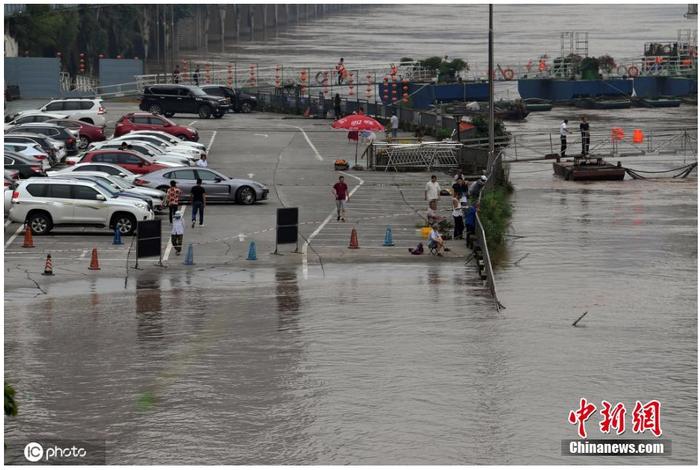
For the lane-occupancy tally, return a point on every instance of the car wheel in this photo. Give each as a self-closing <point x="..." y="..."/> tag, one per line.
<point x="204" y="112"/>
<point x="40" y="223"/>
<point x="218" y="115"/>
<point x="246" y="107"/>
<point x="154" y="109"/>
<point x="182" y="137"/>
<point x="168" y="115"/>
<point x="246" y="195"/>
<point x="83" y="142"/>
<point x="87" y="120"/>
<point x="125" y="223"/>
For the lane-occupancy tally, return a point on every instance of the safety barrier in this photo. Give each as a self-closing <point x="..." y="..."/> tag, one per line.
<point x="420" y="156"/>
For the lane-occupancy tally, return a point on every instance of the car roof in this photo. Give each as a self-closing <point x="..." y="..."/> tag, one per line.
<point x="43" y="179"/>
<point x="23" y="159"/>
<point x="111" y="165"/>
<point x="27" y="135"/>
<point x="37" y="124"/>
<point x="39" y="113"/>
<point x="76" y="99"/>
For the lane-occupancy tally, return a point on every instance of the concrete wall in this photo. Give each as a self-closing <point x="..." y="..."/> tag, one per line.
<point x="36" y="77"/>
<point x="116" y="71"/>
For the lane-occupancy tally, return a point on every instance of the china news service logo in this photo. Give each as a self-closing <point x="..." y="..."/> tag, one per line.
<point x="614" y="420"/>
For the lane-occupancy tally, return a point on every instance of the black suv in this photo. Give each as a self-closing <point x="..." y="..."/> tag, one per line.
<point x="240" y="102"/>
<point x="171" y="99"/>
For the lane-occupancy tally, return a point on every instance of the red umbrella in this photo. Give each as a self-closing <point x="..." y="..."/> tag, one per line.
<point x="357" y="123"/>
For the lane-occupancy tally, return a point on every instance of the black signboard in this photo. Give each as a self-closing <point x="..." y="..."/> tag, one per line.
<point x="148" y="242"/>
<point x="287" y="226"/>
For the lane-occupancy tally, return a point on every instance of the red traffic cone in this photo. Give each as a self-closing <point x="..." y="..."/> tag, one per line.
<point x="94" y="264"/>
<point x="354" y="244"/>
<point x="28" y="242"/>
<point x="48" y="268"/>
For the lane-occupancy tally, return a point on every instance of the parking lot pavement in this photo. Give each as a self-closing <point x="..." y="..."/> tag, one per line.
<point x="294" y="157"/>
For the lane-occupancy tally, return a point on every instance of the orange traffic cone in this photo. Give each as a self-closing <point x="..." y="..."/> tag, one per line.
<point x="28" y="242"/>
<point x="353" y="240"/>
<point x="94" y="264"/>
<point x="48" y="268"/>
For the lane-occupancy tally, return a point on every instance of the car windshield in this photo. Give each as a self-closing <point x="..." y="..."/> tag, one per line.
<point x="107" y="187"/>
<point x="197" y="91"/>
<point x="120" y="183"/>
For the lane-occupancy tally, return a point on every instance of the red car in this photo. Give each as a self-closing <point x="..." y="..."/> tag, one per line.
<point x="153" y="122"/>
<point x="131" y="161"/>
<point x="88" y="132"/>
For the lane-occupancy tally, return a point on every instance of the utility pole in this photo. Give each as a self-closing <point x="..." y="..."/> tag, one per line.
<point x="491" y="110"/>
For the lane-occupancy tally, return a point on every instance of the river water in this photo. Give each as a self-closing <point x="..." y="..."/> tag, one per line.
<point x="385" y="363"/>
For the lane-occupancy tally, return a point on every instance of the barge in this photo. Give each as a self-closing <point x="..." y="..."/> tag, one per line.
<point x="588" y="169"/>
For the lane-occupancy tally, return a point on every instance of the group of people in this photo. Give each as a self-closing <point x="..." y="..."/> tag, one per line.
<point x="198" y="200"/>
<point x="195" y="75"/>
<point x="585" y="136"/>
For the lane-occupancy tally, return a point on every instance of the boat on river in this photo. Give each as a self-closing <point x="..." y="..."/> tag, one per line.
<point x="537" y="104"/>
<point x="603" y="103"/>
<point x="588" y="169"/>
<point x="656" y="102"/>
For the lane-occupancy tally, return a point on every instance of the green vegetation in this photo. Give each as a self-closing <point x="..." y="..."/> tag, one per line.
<point x="495" y="212"/>
<point x="10" y="403"/>
<point x="446" y="70"/>
<point x="481" y="122"/>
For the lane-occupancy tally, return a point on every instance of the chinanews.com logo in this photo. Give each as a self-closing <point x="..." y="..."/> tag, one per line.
<point x="45" y="452"/>
<point x="646" y="418"/>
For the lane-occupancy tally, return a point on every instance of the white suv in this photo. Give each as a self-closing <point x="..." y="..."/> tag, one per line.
<point x="47" y="202"/>
<point x="89" y="110"/>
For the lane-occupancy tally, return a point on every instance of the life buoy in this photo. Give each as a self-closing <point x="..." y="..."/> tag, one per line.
<point x="622" y="70"/>
<point x="394" y="69"/>
<point x="319" y="78"/>
<point x="667" y="49"/>
<point x="633" y="71"/>
<point x="658" y="59"/>
<point x="543" y="65"/>
<point x="508" y="74"/>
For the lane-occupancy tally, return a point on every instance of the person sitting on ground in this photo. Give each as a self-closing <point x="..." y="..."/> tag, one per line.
<point x="436" y="239"/>
<point x="433" y="215"/>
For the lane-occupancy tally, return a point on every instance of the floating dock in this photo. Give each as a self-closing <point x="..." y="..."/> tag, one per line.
<point x="588" y="169"/>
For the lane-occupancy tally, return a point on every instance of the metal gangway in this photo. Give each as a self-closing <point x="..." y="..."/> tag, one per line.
<point x="423" y="155"/>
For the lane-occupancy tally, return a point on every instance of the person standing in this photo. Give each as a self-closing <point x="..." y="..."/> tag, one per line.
<point x="476" y="187"/>
<point x="457" y="215"/>
<point x="202" y="162"/>
<point x="585" y="136"/>
<point x="432" y="189"/>
<point x="340" y="191"/>
<point x="459" y="188"/>
<point x="176" y="74"/>
<point x="195" y="76"/>
<point x="336" y="105"/>
<point x="340" y="68"/>
<point x="394" y="125"/>
<point x="563" y="130"/>
<point x="177" y="232"/>
<point x="172" y="199"/>
<point x="198" y="198"/>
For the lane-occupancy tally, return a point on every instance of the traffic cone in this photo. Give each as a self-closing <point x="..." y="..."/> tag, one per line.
<point x="48" y="268"/>
<point x="117" y="237"/>
<point x="251" y="252"/>
<point x="189" y="258"/>
<point x="388" y="238"/>
<point x="94" y="264"/>
<point x="28" y="242"/>
<point x="353" y="240"/>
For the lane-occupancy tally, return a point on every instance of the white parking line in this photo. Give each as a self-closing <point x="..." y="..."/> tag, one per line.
<point x="192" y="123"/>
<point x="12" y="238"/>
<point x="169" y="246"/>
<point x="8" y="222"/>
<point x="305" y="247"/>
<point x="211" y="141"/>
<point x="313" y="147"/>
<point x="83" y="254"/>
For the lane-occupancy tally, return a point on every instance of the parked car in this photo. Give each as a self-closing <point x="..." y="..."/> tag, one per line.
<point x="88" y="110"/>
<point x="68" y="137"/>
<point x="33" y="151"/>
<point x="131" y="161"/>
<point x="191" y="152"/>
<point x="55" y="149"/>
<point x="26" y="166"/>
<point x="218" y="186"/>
<point x="151" y="122"/>
<point x="48" y="202"/>
<point x="240" y="102"/>
<point x="171" y="99"/>
<point x="87" y="133"/>
<point x="147" y="150"/>
<point x="153" y="197"/>
<point x="168" y="138"/>
<point x="30" y="117"/>
<point x="108" y="168"/>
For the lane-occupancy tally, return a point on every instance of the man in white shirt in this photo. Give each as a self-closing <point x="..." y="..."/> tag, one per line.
<point x="432" y="189"/>
<point x="202" y="162"/>
<point x="394" y="125"/>
<point x="563" y="130"/>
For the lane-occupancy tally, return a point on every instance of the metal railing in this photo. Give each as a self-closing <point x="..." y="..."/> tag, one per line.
<point x="423" y="155"/>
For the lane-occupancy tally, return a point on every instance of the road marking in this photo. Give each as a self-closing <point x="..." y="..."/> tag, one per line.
<point x="169" y="246"/>
<point x="241" y="237"/>
<point x="83" y="254"/>
<point x="305" y="247"/>
<point x="12" y="238"/>
<point x="262" y="135"/>
<point x="313" y="147"/>
<point x="192" y="123"/>
<point x="211" y="141"/>
<point x="9" y="221"/>
<point x="250" y="175"/>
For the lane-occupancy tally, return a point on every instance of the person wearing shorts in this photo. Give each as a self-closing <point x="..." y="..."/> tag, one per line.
<point x="340" y="190"/>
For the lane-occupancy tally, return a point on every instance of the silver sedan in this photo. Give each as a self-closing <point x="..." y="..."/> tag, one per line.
<point x="218" y="187"/>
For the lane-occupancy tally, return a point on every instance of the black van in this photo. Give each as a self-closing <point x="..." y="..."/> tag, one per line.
<point x="171" y="99"/>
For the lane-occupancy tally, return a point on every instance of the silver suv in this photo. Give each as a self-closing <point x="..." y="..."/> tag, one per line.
<point x="47" y="202"/>
<point x="89" y="110"/>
